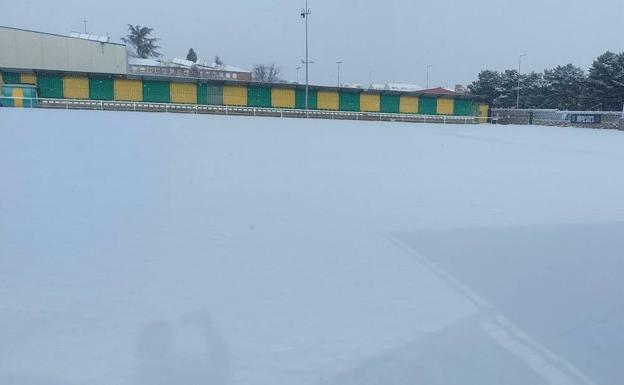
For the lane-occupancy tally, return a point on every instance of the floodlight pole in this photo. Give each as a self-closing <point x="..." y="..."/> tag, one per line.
<point x="305" y="14"/>
<point x="518" y="91"/>
<point x="339" y="63"/>
<point x="428" y="66"/>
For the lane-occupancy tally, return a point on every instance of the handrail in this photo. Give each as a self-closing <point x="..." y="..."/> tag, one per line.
<point x="120" y="105"/>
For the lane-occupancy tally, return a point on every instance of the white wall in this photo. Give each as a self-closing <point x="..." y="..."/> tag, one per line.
<point x="21" y="49"/>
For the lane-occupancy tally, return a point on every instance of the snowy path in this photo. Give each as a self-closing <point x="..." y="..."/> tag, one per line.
<point x="153" y="248"/>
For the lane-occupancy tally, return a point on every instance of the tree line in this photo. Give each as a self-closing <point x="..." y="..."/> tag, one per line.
<point x="566" y="87"/>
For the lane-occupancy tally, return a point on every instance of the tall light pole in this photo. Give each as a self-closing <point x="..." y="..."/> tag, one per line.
<point x="370" y="79"/>
<point x="428" y="66"/>
<point x="305" y="14"/>
<point x="298" y="68"/>
<point x="519" y="69"/>
<point x="339" y="63"/>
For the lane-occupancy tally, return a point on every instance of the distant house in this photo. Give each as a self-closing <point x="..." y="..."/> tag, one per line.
<point x="186" y="69"/>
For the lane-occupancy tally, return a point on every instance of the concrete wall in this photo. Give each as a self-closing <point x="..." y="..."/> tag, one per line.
<point x="20" y="49"/>
<point x="554" y="118"/>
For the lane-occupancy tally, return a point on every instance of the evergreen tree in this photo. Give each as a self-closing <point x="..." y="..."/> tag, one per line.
<point x="191" y="56"/>
<point x="218" y="60"/>
<point x="565" y="87"/>
<point x="138" y="38"/>
<point x="487" y="87"/>
<point x="606" y="82"/>
<point x="533" y="91"/>
<point x="508" y="87"/>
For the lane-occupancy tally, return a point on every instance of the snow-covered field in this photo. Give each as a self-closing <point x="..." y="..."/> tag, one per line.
<point x="179" y="249"/>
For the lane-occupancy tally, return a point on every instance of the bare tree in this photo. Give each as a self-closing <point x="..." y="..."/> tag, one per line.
<point x="268" y="73"/>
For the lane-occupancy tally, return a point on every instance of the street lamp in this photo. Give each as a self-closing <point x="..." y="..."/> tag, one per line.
<point x="339" y="63"/>
<point x="428" y="66"/>
<point x="305" y="14"/>
<point x="519" y="69"/>
<point x="298" y="68"/>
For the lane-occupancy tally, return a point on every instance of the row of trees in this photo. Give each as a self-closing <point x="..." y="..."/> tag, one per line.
<point x="564" y="87"/>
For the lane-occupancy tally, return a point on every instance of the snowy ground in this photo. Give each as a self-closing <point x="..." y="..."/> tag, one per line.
<point x="178" y="249"/>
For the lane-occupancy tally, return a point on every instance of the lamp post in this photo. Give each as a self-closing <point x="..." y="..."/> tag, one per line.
<point x="305" y="14"/>
<point x="428" y="66"/>
<point x="339" y="63"/>
<point x="298" y="68"/>
<point x="370" y="79"/>
<point x="518" y="91"/>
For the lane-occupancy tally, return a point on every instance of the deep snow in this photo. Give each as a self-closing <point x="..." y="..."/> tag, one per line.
<point x="140" y="248"/>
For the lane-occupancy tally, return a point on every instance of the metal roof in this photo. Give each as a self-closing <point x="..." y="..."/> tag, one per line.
<point x="59" y="35"/>
<point x="88" y="36"/>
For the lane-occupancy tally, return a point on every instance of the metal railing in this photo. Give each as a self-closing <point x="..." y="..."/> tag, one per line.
<point x="114" y="105"/>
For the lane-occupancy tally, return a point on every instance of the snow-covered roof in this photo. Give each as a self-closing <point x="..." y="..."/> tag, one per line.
<point x="177" y="62"/>
<point x="440" y="91"/>
<point x="144" y="62"/>
<point x="351" y="85"/>
<point x="88" y="36"/>
<point x="231" y="68"/>
<point x="403" y="87"/>
<point x="182" y="62"/>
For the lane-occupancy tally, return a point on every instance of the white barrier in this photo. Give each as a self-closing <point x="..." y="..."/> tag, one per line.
<point x="115" y="105"/>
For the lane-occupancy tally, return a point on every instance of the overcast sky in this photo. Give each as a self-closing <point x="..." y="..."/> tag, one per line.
<point x="388" y="40"/>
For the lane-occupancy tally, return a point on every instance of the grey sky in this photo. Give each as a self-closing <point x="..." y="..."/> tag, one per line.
<point x="393" y="38"/>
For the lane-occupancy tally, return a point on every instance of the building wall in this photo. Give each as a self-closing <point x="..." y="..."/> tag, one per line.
<point x="12" y="95"/>
<point x="183" y="93"/>
<point x="76" y="87"/>
<point x="349" y="101"/>
<point x="283" y="97"/>
<point x="408" y="104"/>
<point x="111" y="87"/>
<point x="370" y="103"/>
<point x="128" y="90"/>
<point x="327" y="100"/>
<point x="445" y="106"/>
<point x="428" y="105"/>
<point x="41" y="51"/>
<point x="235" y="95"/>
<point x="390" y="104"/>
